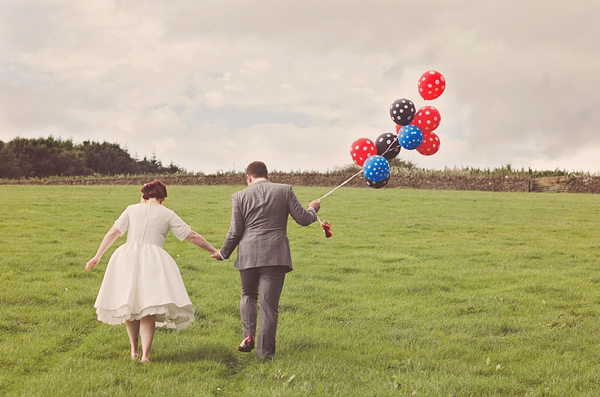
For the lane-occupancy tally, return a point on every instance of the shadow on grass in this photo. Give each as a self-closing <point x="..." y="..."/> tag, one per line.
<point x="202" y="353"/>
<point x="233" y="360"/>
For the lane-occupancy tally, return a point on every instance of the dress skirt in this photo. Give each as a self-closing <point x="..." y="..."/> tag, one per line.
<point x="143" y="279"/>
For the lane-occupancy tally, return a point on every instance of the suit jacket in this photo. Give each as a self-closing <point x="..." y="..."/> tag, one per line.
<point x="259" y="216"/>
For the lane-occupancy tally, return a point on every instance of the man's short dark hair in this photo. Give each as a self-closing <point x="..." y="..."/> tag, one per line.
<point x="257" y="169"/>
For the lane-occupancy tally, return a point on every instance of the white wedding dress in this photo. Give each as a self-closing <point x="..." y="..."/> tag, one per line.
<point x="141" y="277"/>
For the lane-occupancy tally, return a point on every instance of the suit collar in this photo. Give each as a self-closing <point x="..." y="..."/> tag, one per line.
<point x="260" y="181"/>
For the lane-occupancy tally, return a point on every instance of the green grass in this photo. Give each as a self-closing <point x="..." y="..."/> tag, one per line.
<point x="419" y="292"/>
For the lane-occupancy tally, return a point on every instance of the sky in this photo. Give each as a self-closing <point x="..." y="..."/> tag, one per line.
<point x="214" y="85"/>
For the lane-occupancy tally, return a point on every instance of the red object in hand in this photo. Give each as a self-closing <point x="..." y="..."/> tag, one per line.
<point x="327" y="229"/>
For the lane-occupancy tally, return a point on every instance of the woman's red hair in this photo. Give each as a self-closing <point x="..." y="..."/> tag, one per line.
<point x="155" y="189"/>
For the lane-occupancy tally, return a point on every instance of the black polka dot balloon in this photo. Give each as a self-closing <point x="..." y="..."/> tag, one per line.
<point x="387" y="145"/>
<point x="377" y="185"/>
<point x="402" y="111"/>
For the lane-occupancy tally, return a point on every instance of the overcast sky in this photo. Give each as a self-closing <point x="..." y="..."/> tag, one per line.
<point x="213" y="85"/>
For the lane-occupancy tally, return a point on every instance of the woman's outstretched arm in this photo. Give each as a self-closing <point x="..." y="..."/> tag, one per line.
<point x="107" y="241"/>
<point x="201" y="242"/>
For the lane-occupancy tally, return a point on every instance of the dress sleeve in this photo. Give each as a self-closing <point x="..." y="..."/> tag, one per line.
<point x="178" y="227"/>
<point x="122" y="223"/>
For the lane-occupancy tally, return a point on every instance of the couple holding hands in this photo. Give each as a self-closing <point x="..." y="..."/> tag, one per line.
<point x="142" y="285"/>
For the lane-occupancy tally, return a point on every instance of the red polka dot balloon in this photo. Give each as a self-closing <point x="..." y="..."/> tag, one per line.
<point x="362" y="149"/>
<point x="427" y="119"/>
<point x="431" y="85"/>
<point x="430" y="144"/>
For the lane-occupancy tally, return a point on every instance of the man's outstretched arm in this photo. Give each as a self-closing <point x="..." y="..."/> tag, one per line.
<point x="302" y="216"/>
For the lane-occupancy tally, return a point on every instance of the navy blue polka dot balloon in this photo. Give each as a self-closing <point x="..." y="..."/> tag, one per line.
<point x="410" y="137"/>
<point x="376" y="168"/>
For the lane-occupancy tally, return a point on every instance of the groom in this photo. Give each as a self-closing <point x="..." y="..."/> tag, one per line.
<point x="259" y="216"/>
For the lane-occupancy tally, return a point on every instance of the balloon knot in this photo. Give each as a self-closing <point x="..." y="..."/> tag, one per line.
<point x="327" y="229"/>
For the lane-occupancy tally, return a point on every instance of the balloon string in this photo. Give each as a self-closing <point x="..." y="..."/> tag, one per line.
<point x="353" y="176"/>
<point x="389" y="147"/>
<point x="342" y="184"/>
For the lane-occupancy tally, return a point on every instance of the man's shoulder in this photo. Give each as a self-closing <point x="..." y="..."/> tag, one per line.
<point x="269" y="185"/>
<point x="262" y="186"/>
<point x="242" y="192"/>
<point x="279" y="188"/>
<point x="280" y="185"/>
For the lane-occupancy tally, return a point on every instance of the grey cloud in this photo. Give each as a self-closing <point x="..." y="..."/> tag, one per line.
<point x="521" y="76"/>
<point x="25" y="107"/>
<point x="238" y="118"/>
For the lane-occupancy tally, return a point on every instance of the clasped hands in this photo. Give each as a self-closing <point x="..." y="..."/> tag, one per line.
<point x="217" y="256"/>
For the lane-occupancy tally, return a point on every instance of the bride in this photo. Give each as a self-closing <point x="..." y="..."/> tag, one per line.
<point x="142" y="285"/>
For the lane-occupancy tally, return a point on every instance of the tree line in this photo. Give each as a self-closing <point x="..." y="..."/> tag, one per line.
<point x="44" y="157"/>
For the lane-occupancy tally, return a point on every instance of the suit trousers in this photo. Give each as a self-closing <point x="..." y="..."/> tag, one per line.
<point x="264" y="283"/>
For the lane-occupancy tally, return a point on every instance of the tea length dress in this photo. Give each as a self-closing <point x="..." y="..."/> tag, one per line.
<point x="141" y="277"/>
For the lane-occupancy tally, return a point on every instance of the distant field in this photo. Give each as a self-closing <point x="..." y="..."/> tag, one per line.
<point x="419" y="292"/>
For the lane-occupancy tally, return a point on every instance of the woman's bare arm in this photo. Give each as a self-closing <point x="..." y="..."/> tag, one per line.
<point x="201" y="242"/>
<point x="107" y="241"/>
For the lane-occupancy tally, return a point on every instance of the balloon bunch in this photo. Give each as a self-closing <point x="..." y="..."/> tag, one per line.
<point x="425" y="120"/>
<point x="414" y="130"/>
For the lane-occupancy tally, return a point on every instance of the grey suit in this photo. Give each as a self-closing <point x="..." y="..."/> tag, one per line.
<point x="259" y="216"/>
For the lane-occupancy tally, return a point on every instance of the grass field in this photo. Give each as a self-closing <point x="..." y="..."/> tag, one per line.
<point x="419" y="292"/>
